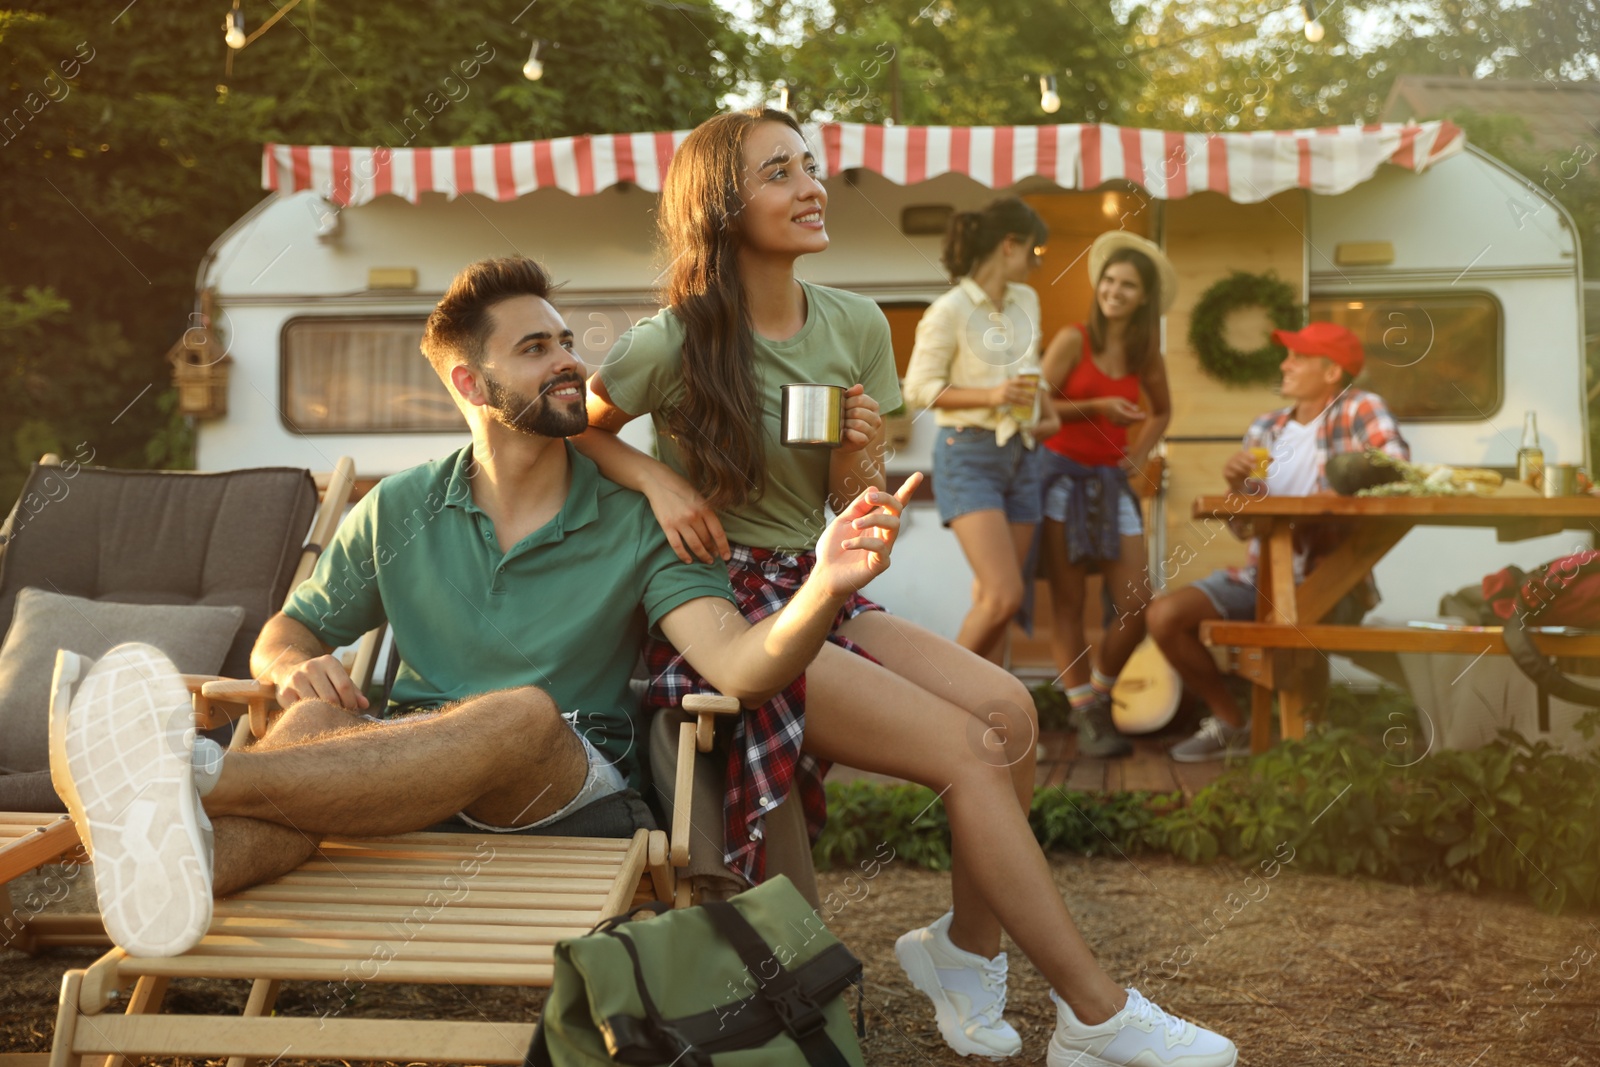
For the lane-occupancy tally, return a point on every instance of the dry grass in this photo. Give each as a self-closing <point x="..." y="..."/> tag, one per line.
<point x="1314" y="971"/>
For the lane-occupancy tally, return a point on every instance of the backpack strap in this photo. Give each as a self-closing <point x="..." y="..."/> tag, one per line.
<point x="667" y="1036"/>
<point x="1539" y="668"/>
<point x="801" y="1015"/>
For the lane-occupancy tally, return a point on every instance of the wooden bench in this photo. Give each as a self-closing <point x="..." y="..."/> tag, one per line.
<point x="29" y="840"/>
<point x="1292" y="656"/>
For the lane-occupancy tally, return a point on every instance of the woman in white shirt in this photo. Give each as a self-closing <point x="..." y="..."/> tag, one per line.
<point x="976" y="363"/>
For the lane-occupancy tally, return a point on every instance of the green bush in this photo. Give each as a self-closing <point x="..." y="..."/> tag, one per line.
<point x="1052" y="705"/>
<point x="864" y="815"/>
<point x="1359" y="796"/>
<point x="1511" y="815"/>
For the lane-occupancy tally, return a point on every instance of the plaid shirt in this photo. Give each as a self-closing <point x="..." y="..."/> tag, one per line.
<point x="764" y="757"/>
<point x="1356" y="421"/>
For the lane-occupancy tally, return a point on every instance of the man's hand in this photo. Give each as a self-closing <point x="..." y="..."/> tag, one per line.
<point x="1240" y="466"/>
<point x="319" y="678"/>
<point x="855" y="547"/>
<point x="692" y="528"/>
<point x="862" y="419"/>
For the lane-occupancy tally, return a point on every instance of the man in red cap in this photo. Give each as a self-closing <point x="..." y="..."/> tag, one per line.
<point x="1326" y="415"/>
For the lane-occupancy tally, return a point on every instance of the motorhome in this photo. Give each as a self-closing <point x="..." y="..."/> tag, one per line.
<point x="1463" y="279"/>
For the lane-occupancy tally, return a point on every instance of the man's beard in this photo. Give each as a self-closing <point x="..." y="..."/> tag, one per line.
<point x="540" y="415"/>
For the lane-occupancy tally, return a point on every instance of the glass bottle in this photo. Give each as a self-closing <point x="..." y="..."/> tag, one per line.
<point x="1530" y="457"/>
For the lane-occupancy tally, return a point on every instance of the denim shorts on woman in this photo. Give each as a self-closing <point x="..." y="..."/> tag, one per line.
<point x="972" y="473"/>
<point x="1129" y="522"/>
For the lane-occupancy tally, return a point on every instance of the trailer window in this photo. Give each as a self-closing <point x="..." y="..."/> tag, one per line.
<point x="362" y="376"/>
<point x="1436" y="356"/>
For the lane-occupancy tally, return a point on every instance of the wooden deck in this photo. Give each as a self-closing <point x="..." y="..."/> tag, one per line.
<point x="1149" y="768"/>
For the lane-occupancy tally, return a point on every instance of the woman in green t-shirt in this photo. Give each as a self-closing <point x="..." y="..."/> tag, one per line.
<point x="741" y="203"/>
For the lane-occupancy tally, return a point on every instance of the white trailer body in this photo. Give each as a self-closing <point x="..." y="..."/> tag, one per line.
<point x="1465" y="225"/>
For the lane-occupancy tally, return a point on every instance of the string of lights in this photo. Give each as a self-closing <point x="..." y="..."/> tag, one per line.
<point x="235" y="38"/>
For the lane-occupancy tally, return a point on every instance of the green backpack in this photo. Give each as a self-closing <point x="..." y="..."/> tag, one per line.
<point x="754" y="980"/>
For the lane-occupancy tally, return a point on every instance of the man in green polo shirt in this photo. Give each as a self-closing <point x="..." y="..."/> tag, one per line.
<point x="518" y="583"/>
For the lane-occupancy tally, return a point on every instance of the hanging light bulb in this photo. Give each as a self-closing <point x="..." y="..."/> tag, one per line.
<point x="1049" y="99"/>
<point x="533" y="70"/>
<point x="233" y="29"/>
<point x="1314" y="28"/>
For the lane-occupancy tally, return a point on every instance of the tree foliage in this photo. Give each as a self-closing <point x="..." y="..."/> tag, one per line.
<point x="945" y="62"/>
<point x="1240" y="64"/>
<point x="127" y="147"/>
<point x="126" y="150"/>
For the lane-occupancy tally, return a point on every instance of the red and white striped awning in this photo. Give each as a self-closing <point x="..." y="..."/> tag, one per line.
<point x="1247" y="167"/>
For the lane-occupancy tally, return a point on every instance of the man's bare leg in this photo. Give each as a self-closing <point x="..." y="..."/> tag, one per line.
<point x="1174" y="622"/>
<point x="249" y="851"/>
<point x="505" y="758"/>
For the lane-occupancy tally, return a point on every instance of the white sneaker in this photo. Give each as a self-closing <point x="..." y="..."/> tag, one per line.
<point x="968" y="991"/>
<point x="1140" y="1035"/>
<point x="121" y="741"/>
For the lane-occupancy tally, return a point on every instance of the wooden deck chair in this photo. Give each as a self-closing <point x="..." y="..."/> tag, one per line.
<point x="430" y="908"/>
<point x="142" y="537"/>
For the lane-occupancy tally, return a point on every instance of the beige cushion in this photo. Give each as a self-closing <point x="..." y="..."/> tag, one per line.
<point x="195" y="637"/>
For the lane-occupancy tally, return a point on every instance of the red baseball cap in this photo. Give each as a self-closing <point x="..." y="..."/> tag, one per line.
<point x="1328" y="341"/>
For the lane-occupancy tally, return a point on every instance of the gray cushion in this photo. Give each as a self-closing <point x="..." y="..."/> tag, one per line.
<point x="196" y="638"/>
<point x="29" y="792"/>
<point x="162" y="537"/>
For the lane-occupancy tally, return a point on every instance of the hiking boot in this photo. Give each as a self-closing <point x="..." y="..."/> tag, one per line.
<point x="1140" y="1034"/>
<point x="122" y="737"/>
<point x="967" y="990"/>
<point x="1214" y="740"/>
<point x="1097" y="734"/>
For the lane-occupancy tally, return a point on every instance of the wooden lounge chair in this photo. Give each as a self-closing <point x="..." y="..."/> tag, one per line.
<point x="431" y="908"/>
<point x="57" y="537"/>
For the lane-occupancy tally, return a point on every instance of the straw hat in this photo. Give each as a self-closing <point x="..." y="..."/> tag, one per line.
<point x="1116" y="240"/>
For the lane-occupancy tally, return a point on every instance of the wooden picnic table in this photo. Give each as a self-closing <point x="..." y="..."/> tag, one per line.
<point x="1284" y="650"/>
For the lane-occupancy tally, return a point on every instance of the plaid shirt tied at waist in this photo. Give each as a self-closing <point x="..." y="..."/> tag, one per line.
<point x="764" y="756"/>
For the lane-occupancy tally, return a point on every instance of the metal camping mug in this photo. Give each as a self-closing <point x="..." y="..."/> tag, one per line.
<point x="813" y="415"/>
<point x="1560" y="479"/>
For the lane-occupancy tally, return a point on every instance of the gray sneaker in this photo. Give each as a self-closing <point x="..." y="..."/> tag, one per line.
<point x="1214" y="740"/>
<point x="1097" y="734"/>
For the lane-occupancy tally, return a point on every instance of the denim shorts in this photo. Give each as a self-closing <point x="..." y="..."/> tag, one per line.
<point x="972" y="473"/>
<point x="602" y="779"/>
<point x="1235" y="599"/>
<point x="1129" y="522"/>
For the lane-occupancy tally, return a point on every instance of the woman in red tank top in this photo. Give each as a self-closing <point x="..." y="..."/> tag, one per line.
<point x="1091" y="513"/>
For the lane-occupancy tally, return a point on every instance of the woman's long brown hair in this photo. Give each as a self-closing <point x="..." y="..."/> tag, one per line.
<point x="1143" y="339"/>
<point x="718" y="423"/>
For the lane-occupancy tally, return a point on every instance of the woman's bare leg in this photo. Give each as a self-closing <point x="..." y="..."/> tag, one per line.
<point x="1128" y="581"/>
<point x="989" y="543"/>
<point x="1067" y="579"/>
<point x="862" y="715"/>
<point x="1002" y="727"/>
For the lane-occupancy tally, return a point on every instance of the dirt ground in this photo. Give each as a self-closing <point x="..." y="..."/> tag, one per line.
<point x="1300" y="970"/>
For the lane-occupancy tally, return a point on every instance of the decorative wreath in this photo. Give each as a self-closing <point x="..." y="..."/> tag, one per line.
<point x="1241" y="290"/>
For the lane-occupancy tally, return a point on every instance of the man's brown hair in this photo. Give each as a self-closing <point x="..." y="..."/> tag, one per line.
<point x="460" y="325"/>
